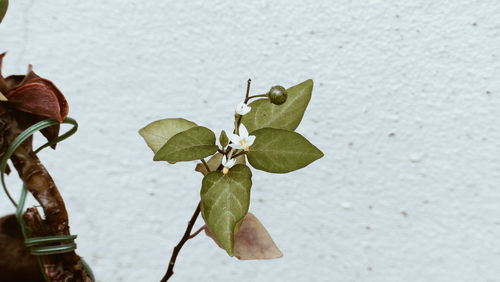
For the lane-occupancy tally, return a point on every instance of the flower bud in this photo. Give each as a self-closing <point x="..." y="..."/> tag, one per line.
<point x="223" y="140"/>
<point x="277" y="95"/>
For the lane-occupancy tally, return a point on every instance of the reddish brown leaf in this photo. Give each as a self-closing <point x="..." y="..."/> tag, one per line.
<point x="14" y="80"/>
<point x="35" y="98"/>
<point x="33" y="94"/>
<point x="1" y="60"/>
<point x="32" y="77"/>
<point x="63" y="104"/>
<point x="213" y="163"/>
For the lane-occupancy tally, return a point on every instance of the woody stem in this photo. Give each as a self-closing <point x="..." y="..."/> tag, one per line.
<point x="185" y="237"/>
<point x="246" y="100"/>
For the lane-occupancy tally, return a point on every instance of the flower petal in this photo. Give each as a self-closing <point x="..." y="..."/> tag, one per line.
<point x="250" y="139"/>
<point x="246" y="110"/>
<point x="14" y="81"/>
<point x="233" y="138"/>
<point x="243" y="132"/>
<point x="236" y="146"/>
<point x="230" y="163"/>
<point x="240" y="108"/>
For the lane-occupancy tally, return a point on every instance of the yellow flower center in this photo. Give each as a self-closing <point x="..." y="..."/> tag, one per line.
<point x="225" y="170"/>
<point x="244" y="145"/>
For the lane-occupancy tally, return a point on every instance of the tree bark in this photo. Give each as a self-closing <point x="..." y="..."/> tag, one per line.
<point x="59" y="267"/>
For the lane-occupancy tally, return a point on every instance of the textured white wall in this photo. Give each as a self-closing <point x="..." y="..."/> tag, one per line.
<point x="405" y="107"/>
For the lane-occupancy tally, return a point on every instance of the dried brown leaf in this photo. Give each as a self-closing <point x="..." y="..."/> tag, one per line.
<point x="213" y="164"/>
<point x="252" y="241"/>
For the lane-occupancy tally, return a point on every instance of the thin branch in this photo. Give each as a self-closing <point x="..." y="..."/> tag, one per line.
<point x="257" y="96"/>
<point x="206" y="165"/>
<point x="239" y="154"/>
<point x="170" y="270"/>
<point x="248" y="90"/>
<point x="197" y="231"/>
<point x="246" y="100"/>
<point x="237" y="124"/>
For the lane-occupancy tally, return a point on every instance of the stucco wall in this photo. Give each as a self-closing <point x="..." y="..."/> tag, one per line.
<point x="406" y="108"/>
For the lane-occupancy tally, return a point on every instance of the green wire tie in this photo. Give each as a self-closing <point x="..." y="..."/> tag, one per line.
<point x="38" y="245"/>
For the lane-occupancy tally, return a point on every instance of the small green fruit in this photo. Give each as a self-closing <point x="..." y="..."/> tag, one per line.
<point x="277" y="95"/>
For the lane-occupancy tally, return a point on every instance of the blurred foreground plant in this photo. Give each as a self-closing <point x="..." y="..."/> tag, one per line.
<point x="29" y="103"/>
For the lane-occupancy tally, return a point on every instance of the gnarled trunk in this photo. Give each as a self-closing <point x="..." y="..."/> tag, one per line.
<point x="59" y="267"/>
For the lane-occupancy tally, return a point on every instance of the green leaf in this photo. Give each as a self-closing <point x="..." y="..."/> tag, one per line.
<point x="223" y="140"/>
<point x="157" y="133"/>
<point x="285" y="116"/>
<point x="225" y="201"/>
<point x="192" y="144"/>
<point x="4" y="4"/>
<point x="280" y="151"/>
<point x="240" y="159"/>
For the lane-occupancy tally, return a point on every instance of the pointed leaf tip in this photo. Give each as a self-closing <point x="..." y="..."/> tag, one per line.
<point x="157" y="133"/>
<point x="225" y="200"/>
<point x="285" y="116"/>
<point x="252" y="241"/>
<point x="281" y="151"/>
<point x="193" y="144"/>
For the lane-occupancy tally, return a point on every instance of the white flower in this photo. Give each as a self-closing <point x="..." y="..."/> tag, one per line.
<point x="242" y="109"/>
<point x="243" y="141"/>
<point x="227" y="164"/>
